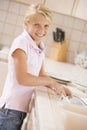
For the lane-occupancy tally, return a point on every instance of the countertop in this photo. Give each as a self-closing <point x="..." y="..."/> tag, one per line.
<point x="3" y="74"/>
<point x="66" y="71"/>
<point x="4" y="54"/>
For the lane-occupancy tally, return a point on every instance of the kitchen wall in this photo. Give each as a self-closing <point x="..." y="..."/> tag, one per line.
<point x="11" y="25"/>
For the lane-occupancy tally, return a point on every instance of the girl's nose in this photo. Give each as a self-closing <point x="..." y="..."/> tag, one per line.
<point x="42" y="30"/>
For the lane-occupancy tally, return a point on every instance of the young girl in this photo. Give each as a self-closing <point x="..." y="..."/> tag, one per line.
<point x="25" y="69"/>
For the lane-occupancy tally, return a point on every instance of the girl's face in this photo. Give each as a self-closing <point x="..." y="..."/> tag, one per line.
<point x="37" y="27"/>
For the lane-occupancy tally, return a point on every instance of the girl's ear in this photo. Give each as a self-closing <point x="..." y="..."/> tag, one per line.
<point x="25" y="22"/>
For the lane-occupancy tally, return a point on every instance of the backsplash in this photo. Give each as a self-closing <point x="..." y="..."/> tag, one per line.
<point x="11" y="25"/>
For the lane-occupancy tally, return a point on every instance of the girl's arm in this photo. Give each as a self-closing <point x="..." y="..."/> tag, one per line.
<point x="25" y="78"/>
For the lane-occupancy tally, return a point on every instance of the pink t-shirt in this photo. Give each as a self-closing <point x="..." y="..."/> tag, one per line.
<point x="18" y="96"/>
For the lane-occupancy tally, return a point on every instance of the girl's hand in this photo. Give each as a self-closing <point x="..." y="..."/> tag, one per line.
<point x="58" y="88"/>
<point x="61" y="90"/>
<point x="68" y="92"/>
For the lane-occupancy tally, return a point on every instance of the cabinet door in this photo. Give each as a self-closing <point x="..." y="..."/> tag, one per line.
<point x="80" y="9"/>
<point x="61" y="6"/>
<point x="31" y="1"/>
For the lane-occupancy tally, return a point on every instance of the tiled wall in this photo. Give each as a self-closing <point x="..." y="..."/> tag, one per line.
<point x="11" y="25"/>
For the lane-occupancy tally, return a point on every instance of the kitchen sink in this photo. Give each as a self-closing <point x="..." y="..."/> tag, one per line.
<point x="78" y="98"/>
<point x="74" y="100"/>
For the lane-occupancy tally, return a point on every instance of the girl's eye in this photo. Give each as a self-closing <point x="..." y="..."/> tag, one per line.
<point x="39" y="26"/>
<point x="36" y="25"/>
<point x="46" y="26"/>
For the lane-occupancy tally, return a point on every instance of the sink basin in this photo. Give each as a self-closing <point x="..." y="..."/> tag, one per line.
<point x="74" y="117"/>
<point x="74" y="100"/>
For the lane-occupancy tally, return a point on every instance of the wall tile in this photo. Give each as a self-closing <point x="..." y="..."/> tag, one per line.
<point x="68" y="21"/>
<point x="14" y="7"/>
<point x="23" y="9"/>
<point x="49" y="39"/>
<point x="0" y="39"/>
<point x="85" y="27"/>
<point x="79" y="24"/>
<point x="11" y="18"/>
<point x="6" y="40"/>
<point x="8" y="29"/>
<point x="83" y="48"/>
<point x="84" y="38"/>
<point x="3" y="15"/>
<point x="53" y="27"/>
<point x="4" y="4"/>
<point x="76" y="35"/>
<point x="58" y="19"/>
<point x="1" y="26"/>
<point x="47" y="53"/>
<point x="70" y="57"/>
<point x="18" y="30"/>
<point x="68" y="32"/>
<point x="73" y="46"/>
<point x="20" y="21"/>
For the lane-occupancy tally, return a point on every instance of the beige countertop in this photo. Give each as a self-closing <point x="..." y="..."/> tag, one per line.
<point x="3" y="74"/>
<point x="4" y="54"/>
<point x="66" y="71"/>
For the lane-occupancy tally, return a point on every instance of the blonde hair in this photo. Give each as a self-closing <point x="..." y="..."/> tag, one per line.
<point x="33" y="9"/>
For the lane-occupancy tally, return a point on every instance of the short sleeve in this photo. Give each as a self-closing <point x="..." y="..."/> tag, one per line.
<point x="18" y="44"/>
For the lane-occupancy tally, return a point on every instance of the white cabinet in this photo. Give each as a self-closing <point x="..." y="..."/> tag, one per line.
<point x="77" y="8"/>
<point x="30" y="1"/>
<point x="61" y="6"/>
<point x="80" y="9"/>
